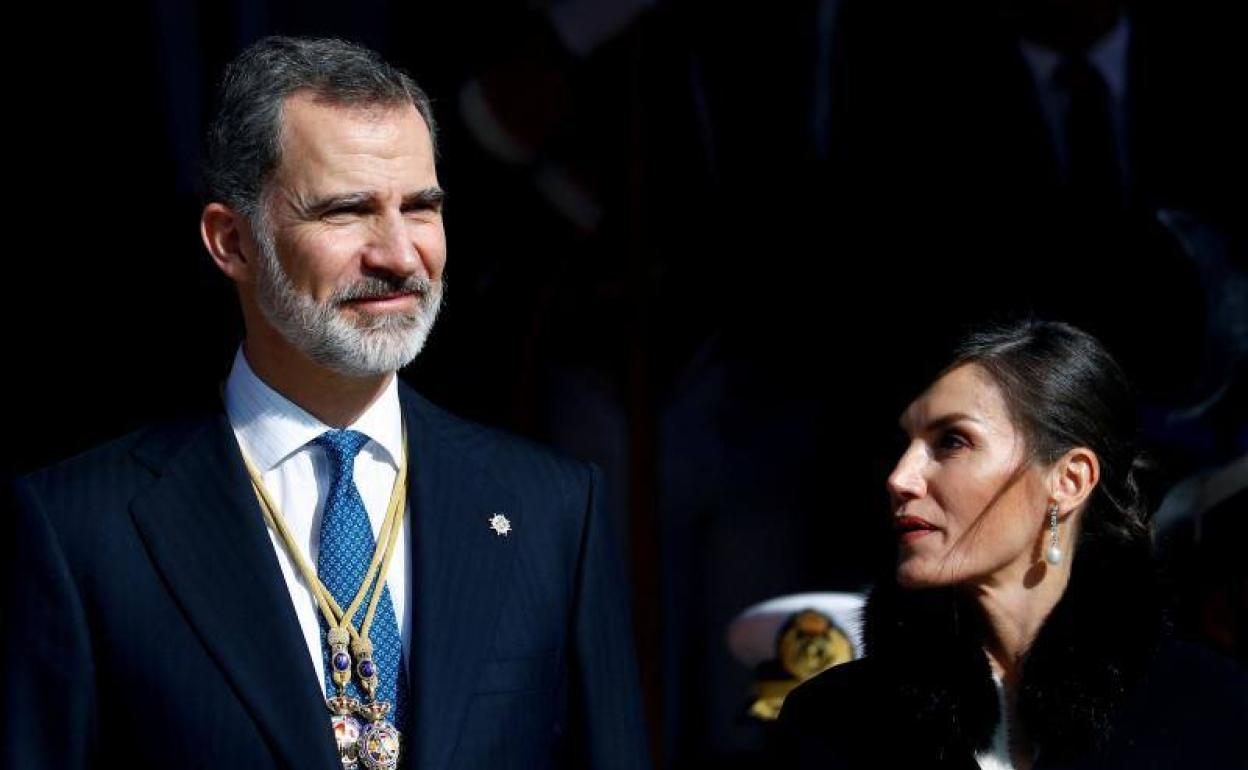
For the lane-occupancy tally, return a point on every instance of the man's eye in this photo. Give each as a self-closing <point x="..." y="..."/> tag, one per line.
<point x="344" y="211"/>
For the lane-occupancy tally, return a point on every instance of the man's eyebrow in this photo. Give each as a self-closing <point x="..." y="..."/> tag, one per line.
<point x="431" y="197"/>
<point x="312" y="208"/>
<point x="315" y="207"/>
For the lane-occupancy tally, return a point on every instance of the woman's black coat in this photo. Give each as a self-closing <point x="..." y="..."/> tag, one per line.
<point x="1102" y="688"/>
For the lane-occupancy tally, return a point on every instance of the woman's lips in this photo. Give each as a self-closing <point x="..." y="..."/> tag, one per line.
<point x="910" y="528"/>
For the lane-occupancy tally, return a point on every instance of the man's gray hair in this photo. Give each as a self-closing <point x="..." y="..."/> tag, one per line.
<point x="244" y="141"/>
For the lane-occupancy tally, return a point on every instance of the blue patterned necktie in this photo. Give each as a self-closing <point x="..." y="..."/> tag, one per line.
<point x="346" y="550"/>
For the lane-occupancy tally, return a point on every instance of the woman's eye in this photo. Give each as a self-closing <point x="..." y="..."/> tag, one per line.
<point x="952" y="440"/>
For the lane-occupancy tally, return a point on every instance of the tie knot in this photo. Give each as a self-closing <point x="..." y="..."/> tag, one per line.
<point x="342" y="446"/>
<point x="1076" y="74"/>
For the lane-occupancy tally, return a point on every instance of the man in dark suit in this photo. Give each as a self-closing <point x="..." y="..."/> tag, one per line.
<point x="169" y="602"/>
<point x="956" y="164"/>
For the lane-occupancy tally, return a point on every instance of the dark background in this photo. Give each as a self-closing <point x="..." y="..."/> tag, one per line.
<point x="791" y="209"/>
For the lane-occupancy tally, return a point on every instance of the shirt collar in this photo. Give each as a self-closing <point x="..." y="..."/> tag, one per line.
<point x="271" y="427"/>
<point x="1108" y="56"/>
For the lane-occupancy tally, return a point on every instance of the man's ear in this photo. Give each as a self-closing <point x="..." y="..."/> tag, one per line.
<point x="227" y="236"/>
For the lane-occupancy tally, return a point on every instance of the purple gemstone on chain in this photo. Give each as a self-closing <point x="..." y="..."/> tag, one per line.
<point x="367" y="669"/>
<point x="342" y="661"/>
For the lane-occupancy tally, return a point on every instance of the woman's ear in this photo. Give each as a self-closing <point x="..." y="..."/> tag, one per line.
<point x="1073" y="478"/>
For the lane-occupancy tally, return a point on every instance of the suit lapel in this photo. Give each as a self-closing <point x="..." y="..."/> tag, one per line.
<point x="206" y="535"/>
<point x="458" y="578"/>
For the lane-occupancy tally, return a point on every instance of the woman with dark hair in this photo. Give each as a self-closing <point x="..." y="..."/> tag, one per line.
<point x="1020" y="626"/>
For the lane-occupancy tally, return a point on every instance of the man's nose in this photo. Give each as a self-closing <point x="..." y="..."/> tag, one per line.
<point x="391" y="248"/>
<point x="906" y="482"/>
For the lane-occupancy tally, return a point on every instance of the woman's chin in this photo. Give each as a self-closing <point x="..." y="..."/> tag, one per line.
<point x="913" y="574"/>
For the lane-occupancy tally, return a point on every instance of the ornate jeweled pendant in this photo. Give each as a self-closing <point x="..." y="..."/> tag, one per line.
<point x="347" y="732"/>
<point x="342" y="705"/>
<point x="379" y="746"/>
<point x="339" y="659"/>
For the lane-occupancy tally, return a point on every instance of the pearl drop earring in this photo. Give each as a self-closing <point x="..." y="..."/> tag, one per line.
<point x="1053" y="554"/>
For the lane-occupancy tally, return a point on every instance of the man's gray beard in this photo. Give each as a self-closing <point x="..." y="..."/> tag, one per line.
<point x="384" y="343"/>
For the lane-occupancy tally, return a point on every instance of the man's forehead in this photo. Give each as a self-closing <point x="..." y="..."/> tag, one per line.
<point x="331" y="147"/>
<point x="310" y="98"/>
<point x="307" y="114"/>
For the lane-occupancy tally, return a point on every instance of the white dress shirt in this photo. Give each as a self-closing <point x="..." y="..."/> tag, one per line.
<point x="274" y="434"/>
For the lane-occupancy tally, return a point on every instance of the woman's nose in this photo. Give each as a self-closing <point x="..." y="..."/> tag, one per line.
<point x="906" y="481"/>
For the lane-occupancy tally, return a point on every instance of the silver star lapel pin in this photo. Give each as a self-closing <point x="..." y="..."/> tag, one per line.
<point x="500" y="524"/>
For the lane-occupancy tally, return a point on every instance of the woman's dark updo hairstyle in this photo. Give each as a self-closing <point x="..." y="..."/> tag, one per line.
<point x="1064" y="390"/>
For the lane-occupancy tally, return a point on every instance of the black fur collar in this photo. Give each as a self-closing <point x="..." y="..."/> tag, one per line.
<point x="1091" y="651"/>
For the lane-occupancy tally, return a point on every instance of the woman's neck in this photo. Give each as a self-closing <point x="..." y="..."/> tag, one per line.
<point x="1015" y="608"/>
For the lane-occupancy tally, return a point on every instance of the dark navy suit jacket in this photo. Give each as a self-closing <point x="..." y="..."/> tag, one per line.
<point x="147" y="621"/>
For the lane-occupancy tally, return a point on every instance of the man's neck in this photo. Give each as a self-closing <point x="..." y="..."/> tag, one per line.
<point x="336" y="399"/>
<point x="1067" y="27"/>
